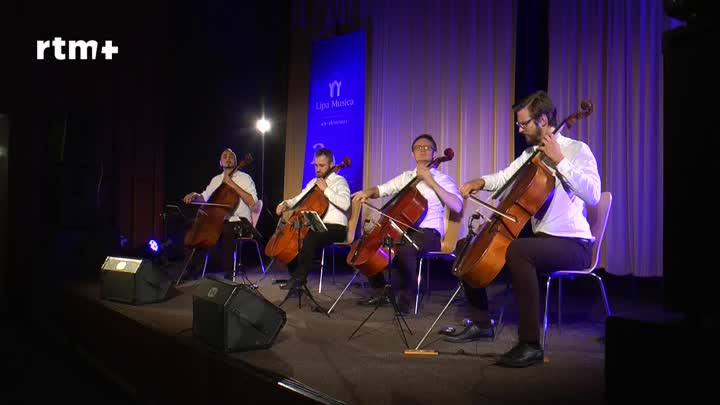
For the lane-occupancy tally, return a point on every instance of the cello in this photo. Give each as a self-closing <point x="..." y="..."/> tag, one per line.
<point x="480" y="260"/>
<point x="208" y="223"/>
<point x="285" y="242"/>
<point x="404" y="211"/>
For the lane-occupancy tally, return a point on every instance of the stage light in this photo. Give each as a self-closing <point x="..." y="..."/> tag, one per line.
<point x="263" y="125"/>
<point x="160" y="252"/>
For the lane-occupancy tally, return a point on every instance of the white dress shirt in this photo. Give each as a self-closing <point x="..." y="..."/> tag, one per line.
<point x="435" y="215"/>
<point x="337" y="192"/>
<point x="245" y="182"/>
<point x="577" y="182"/>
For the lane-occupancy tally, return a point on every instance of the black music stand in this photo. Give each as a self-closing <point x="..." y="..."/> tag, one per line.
<point x="387" y="292"/>
<point x="362" y="238"/>
<point x="312" y="220"/>
<point x="238" y="266"/>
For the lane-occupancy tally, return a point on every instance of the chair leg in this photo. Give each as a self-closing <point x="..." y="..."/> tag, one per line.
<point x="207" y="254"/>
<point x="500" y="325"/>
<point x="417" y="292"/>
<point x="545" y="317"/>
<point x="322" y="267"/>
<point x="333" y="268"/>
<point x="235" y="254"/>
<point x="427" y="279"/>
<point x="602" y="289"/>
<point x="267" y="270"/>
<point x="262" y="263"/>
<point x="559" y="305"/>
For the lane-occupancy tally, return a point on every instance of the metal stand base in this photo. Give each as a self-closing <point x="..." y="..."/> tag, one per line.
<point x="388" y="293"/>
<point x="300" y="291"/>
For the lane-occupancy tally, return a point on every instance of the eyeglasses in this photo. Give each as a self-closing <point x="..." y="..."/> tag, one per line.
<point x="423" y="148"/>
<point x="523" y="124"/>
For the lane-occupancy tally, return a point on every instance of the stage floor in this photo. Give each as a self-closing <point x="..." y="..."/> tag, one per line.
<point x="372" y="368"/>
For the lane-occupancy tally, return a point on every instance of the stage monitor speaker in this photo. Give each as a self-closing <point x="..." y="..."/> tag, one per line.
<point x="234" y="317"/>
<point x="133" y="280"/>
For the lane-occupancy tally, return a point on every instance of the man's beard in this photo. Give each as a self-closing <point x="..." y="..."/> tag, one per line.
<point x="536" y="136"/>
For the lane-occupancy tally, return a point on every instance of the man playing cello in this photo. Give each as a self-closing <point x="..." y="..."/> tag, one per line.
<point x="562" y="237"/>
<point x="440" y="190"/>
<point x="244" y="186"/>
<point x="336" y="189"/>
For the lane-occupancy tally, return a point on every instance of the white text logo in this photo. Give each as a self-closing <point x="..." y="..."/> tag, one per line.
<point x="334" y="85"/>
<point x="75" y="47"/>
<point x="334" y="101"/>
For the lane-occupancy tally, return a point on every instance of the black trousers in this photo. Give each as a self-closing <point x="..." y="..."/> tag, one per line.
<point x="300" y="266"/>
<point x="524" y="259"/>
<point x="406" y="259"/>
<point x="229" y="234"/>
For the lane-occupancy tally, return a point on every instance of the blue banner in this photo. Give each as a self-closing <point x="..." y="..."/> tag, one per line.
<point x="337" y="104"/>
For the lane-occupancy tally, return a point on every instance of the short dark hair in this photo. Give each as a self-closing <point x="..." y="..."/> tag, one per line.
<point x="538" y="103"/>
<point x="424" y="136"/>
<point x="327" y="153"/>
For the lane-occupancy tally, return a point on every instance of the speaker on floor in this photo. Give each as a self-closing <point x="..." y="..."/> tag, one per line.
<point x="655" y="356"/>
<point x="133" y="280"/>
<point x="234" y="317"/>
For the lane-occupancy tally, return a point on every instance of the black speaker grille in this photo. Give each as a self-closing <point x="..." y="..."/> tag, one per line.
<point x="234" y="317"/>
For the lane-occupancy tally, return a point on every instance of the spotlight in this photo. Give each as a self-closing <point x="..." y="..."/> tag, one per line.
<point x="263" y="125"/>
<point x="155" y="248"/>
<point x="160" y="253"/>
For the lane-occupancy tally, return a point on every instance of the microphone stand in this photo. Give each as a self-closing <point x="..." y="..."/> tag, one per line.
<point x="387" y="292"/>
<point x="300" y="291"/>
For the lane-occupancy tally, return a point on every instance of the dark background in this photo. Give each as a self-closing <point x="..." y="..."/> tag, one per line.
<point x="99" y="147"/>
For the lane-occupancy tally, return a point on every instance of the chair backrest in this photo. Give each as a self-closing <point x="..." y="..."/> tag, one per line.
<point x="452" y="230"/>
<point x="597" y="217"/>
<point x="352" y="222"/>
<point x="255" y="212"/>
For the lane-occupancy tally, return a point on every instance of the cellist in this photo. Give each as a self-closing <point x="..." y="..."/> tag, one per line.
<point x="561" y="234"/>
<point x="337" y="191"/>
<point x="441" y="191"/>
<point x="244" y="186"/>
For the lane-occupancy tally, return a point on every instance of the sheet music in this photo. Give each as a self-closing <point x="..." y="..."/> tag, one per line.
<point x="316" y="223"/>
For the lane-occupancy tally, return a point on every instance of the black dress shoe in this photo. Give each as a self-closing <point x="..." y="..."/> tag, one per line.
<point x="522" y="355"/>
<point x="471" y="333"/>
<point x="372" y="301"/>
